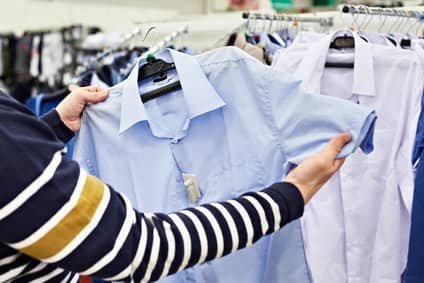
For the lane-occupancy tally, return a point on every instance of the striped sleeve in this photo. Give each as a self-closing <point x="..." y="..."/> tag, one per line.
<point x="53" y="211"/>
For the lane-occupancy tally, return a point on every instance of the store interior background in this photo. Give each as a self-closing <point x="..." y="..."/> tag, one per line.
<point x="207" y="20"/>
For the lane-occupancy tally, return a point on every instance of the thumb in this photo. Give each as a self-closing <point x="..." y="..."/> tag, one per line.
<point x="336" y="144"/>
<point x="72" y="87"/>
<point x="338" y="164"/>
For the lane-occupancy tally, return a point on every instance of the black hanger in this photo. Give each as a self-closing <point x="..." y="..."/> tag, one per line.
<point x="155" y="67"/>
<point x="341" y="42"/>
<point x="405" y="43"/>
<point x="232" y="39"/>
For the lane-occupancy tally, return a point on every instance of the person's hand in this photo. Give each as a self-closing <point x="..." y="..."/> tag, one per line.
<point x="71" y="108"/>
<point x="311" y="174"/>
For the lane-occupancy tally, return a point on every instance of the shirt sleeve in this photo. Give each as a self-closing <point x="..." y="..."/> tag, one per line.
<point x="304" y="123"/>
<point x="53" y="211"/>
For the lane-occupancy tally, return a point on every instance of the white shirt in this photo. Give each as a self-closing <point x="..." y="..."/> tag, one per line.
<point x="356" y="229"/>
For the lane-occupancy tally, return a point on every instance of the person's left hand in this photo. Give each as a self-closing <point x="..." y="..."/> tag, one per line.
<point x="71" y="108"/>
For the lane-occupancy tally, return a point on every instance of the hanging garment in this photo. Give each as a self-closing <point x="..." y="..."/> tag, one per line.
<point x="235" y="126"/>
<point x="23" y="55"/>
<point x="363" y="212"/>
<point x="52" y="56"/>
<point x="35" y="56"/>
<point x="414" y="271"/>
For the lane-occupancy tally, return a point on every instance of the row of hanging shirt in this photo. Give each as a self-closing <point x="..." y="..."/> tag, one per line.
<point x="207" y="128"/>
<point x="364" y="213"/>
<point x="357" y="227"/>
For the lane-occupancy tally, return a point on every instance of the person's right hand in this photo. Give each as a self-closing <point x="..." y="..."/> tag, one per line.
<point x="71" y="108"/>
<point x="311" y="174"/>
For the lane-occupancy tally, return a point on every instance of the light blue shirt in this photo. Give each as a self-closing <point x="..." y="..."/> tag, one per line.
<point x="237" y="125"/>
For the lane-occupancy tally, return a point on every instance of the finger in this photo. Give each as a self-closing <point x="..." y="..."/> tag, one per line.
<point x="73" y="87"/>
<point x="95" y="96"/>
<point x="336" y="144"/>
<point x="92" y="88"/>
<point x="86" y="88"/>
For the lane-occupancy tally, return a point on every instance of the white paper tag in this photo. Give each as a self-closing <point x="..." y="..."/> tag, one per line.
<point x="192" y="187"/>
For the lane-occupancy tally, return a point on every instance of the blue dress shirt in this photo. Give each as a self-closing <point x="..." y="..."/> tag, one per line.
<point x="237" y="125"/>
<point x="414" y="271"/>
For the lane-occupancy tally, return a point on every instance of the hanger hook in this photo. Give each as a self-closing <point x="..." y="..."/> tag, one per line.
<point x="155" y="38"/>
<point x="271" y="25"/>
<point x="414" y="21"/>
<point x="362" y="13"/>
<point x="404" y="21"/>
<point x="408" y="23"/>
<point x="152" y="28"/>
<point x="355" y="15"/>
<point x="382" y="22"/>
<point x="367" y="11"/>
<point x="399" y="21"/>
<point x="393" y="13"/>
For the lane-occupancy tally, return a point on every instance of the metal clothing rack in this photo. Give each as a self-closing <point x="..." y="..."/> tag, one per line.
<point x="91" y="62"/>
<point x="323" y="21"/>
<point x="388" y="12"/>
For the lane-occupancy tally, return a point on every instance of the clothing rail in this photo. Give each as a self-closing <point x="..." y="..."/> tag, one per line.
<point x="389" y="12"/>
<point x="89" y="63"/>
<point x="323" y="21"/>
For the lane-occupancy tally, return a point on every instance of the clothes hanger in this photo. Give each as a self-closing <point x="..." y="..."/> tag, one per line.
<point x="159" y="68"/>
<point x="345" y="41"/>
<point x="406" y="41"/>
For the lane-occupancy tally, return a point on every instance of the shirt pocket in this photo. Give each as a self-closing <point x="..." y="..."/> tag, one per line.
<point x="230" y="178"/>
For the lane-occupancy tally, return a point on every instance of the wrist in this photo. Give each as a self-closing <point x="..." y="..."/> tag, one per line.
<point x="304" y="190"/>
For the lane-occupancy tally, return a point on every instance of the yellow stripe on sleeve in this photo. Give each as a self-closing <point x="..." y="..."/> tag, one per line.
<point x="71" y="225"/>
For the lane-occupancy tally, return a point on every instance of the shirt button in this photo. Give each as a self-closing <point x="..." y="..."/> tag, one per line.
<point x="174" y="141"/>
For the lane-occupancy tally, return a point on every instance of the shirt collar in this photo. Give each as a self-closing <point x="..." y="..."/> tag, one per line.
<point x="199" y="95"/>
<point x="312" y="66"/>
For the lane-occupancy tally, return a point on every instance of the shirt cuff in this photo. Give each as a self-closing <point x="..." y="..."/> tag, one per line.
<point x="52" y="118"/>
<point x="289" y="199"/>
<point x="367" y="134"/>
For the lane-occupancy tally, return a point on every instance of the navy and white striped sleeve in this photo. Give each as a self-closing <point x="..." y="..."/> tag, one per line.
<point x="53" y="211"/>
